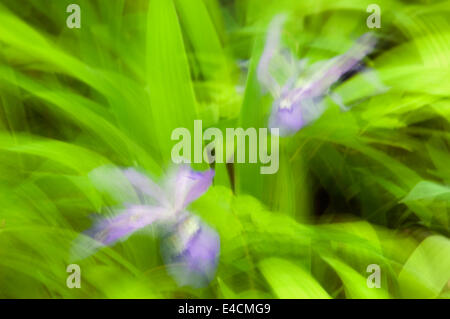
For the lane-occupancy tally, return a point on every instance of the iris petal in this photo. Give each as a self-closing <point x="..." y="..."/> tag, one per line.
<point x="187" y="242"/>
<point x="277" y="68"/>
<point x="287" y="120"/>
<point x="133" y="218"/>
<point x="188" y="185"/>
<point x="146" y="186"/>
<point x="107" y="231"/>
<point x="294" y="107"/>
<point x="193" y="263"/>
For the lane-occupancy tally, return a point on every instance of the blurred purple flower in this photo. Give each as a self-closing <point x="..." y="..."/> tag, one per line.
<point x="108" y="230"/>
<point x="188" y="185"/>
<point x="186" y="240"/>
<point x="279" y="72"/>
<point x="192" y="250"/>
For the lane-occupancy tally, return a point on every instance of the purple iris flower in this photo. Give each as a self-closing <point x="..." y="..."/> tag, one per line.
<point x="189" y="246"/>
<point x="298" y="90"/>
<point x="191" y="249"/>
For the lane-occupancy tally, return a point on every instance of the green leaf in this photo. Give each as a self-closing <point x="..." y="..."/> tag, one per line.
<point x="428" y="190"/>
<point x="427" y="270"/>
<point x="197" y="24"/>
<point x="170" y="88"/>
<point x="290" y="281"/>
<point x="355" y="284"/>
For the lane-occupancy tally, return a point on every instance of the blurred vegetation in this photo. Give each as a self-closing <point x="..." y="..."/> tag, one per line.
<point x="368" y="186"/>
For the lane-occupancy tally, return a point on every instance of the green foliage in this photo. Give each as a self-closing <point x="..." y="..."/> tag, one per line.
<point x="367" y="186"/>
